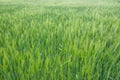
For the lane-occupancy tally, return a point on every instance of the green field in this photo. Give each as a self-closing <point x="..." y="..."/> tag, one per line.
<point x="60" y="40"/>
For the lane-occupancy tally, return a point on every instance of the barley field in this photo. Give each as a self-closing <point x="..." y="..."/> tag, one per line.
<point x="60" y="40"/>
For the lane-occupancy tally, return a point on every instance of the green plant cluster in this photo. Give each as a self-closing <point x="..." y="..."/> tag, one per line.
<point x="59" y="42"/>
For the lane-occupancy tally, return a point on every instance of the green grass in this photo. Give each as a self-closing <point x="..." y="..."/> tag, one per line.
<point x="59" y="42"/>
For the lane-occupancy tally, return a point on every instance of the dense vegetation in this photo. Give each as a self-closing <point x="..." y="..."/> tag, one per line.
<point x="59" y="41"/>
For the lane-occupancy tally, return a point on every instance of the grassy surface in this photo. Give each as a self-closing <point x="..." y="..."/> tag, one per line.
<point x="59" y="42"/>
